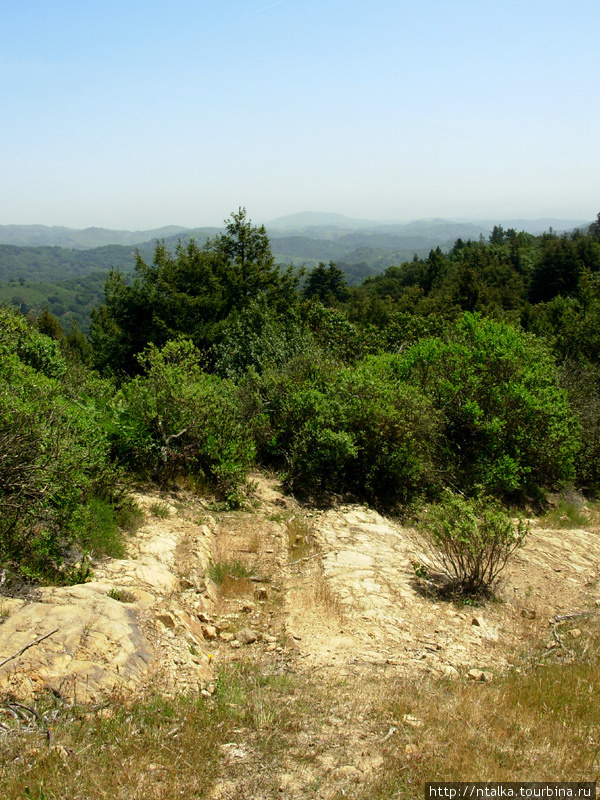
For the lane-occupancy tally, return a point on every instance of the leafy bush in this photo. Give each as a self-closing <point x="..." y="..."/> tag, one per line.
<point x="260" y="338"/>
<point x="99" y="529"/>
<point x="54" y="458"/>
<point x="471" y="541"/>
<point x="353" y="430"/>
<point x="507" y="426"/>
<point x="177" y="420"/>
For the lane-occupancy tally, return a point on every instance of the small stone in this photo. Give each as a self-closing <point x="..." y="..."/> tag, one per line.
<point x="268" y="638"/>
<point x="528" y="613"/>
<point x="450" y="671"/>
<point x="413" y="721"/>
<point x="248" y="608"/>
<point x="488" y="676"/>
<point x="209" y="631"/>
<point x="475" y="675"/>
<point x="574" y="633"/>
<point x="203" y="617"/>
<point x="246" y="636"/>
<point x="294" y="635"/>
<point x="167" y="619"/>
<point x="261" y="593"/>
<point x="226" y="636"/>
<point x="186" y="583"/>
<point x="205" y="693"/>
<point x="476" y="621"/>
<point x="236" y="645"/>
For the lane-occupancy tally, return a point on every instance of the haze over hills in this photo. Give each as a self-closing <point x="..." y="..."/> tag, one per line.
<point x="313" y="225"/>
<point x="65" y="268"/>
<point x="72" y="238"/>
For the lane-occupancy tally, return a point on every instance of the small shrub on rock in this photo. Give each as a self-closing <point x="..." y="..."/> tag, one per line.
<point x="470" y="542"/>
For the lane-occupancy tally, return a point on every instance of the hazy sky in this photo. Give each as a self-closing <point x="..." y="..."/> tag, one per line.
<point x="140" y="114"/>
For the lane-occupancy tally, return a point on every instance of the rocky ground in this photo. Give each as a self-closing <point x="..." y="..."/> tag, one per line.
<point x="326" y="600"/>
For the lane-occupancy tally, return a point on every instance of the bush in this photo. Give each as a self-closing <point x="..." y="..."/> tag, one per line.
<point x="355" y="430"/>
<point x="54" y="458"/>
<point x="177" y="420"/>
<point x="507" y="426"/>
<point x="259" y="338"/>
<point x="99" y="530"/>
<point x="471" y="541"/>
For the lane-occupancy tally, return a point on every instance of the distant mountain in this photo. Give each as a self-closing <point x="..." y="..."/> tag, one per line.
<point x="317" y="219"/>
<point x="535" y="226"/>
<point x="42" y="235"/>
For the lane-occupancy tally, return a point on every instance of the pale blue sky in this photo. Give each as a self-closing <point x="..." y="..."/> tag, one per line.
<point x="139" y="114"/>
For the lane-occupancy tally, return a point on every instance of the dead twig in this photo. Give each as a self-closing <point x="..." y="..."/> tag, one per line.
<point x="388" y="735"/>
<point x="578" y="614"/>
<point x="306" y="558"/>
<point x="27" y="646"/>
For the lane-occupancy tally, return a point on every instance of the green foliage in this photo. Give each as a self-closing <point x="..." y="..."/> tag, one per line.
<point x="221" y="570"/>
<point x="334" y="333"/>
<point x="122" y="595"/>
<point x="353" y="430"/>
<point x="507" y="426"/>
<point x="471" y="541"/>
<point x="190" y="293"/>
<point x="259" y="338"/>
<point x="174" y="419"/>
<point x="98" y="529"/>
<point x="160" y="510"/>
<point x="326" y="283"/>
<point x="53" y="452"/>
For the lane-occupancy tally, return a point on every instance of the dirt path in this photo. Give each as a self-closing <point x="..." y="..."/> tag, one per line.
<point x="316" y="619"/>
<point x="343" y="619"/>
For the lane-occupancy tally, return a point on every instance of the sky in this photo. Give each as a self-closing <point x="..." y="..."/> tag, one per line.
<point x="133" y="115"/>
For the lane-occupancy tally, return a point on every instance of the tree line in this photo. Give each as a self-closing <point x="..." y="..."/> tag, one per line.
<point x="475" y="371"/>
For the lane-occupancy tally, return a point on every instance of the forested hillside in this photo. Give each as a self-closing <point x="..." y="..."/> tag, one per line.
<point x="61" y="268"/>
<point x="474" y="372"/>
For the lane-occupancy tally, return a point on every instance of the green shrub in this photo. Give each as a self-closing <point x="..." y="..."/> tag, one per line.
<point x="177" y="420"/>
<point x="471" y="541"/>
<point x="54" y="458"/>
<point x="221" y="570"/>
<point x="507" y="426"/>
<point x="99" y="532"/>
<point x="355" y="430"/>
<point x="259" y="338"/>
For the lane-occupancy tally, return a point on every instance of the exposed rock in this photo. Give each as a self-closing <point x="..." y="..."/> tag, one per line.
<point x="479" y="675"/>
<point x="210" y="632"/>
<point x="167" y="619"/>
<point x="246" y="636"/>
<point x="226" y="636"/>
<point x="574" y="633"/>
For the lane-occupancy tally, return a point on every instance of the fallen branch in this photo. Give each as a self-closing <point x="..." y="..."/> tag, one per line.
<point x="388" y="735"/>
<point x="306" y="558"/>
<point x="27" y="646"/>
<point x="564" y="617"/>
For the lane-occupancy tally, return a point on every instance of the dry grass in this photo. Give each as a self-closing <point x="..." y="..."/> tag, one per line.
<point x="300" y="539"/>
<point x="324" y="597"/>
<point x="571" y="511"/>
<point x="538" y="722"/>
